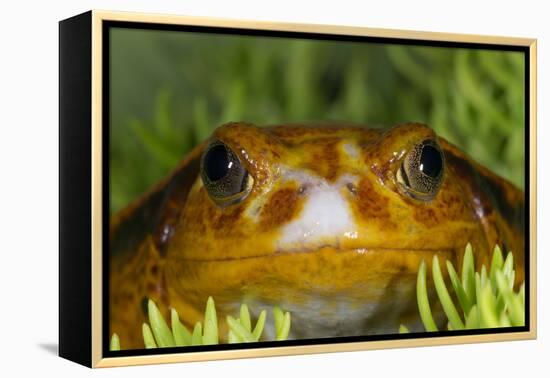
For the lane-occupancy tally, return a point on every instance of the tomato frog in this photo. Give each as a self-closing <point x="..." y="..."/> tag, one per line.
<point x="330" y="222"/>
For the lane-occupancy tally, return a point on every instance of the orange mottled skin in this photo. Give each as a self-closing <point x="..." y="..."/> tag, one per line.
<point x="176" y="246"/>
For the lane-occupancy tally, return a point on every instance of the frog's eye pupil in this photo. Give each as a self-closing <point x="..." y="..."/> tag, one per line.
<point x="431" y="162"/>
<point x="216" y="162"/>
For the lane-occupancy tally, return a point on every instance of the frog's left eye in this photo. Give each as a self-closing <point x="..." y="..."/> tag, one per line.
<point x="225" y="178"/>
<point x="421" y="173"/>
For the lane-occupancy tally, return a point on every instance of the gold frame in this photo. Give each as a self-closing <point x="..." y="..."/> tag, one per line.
<point x="97" y="302"/>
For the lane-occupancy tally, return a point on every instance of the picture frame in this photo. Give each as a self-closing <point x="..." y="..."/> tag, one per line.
<point x="85" y="119"/>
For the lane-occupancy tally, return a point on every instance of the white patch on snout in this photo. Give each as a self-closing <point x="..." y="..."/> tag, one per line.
<point x="325" y="217"/>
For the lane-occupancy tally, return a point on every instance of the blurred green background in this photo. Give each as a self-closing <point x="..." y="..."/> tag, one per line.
<point x="170" y="90"/>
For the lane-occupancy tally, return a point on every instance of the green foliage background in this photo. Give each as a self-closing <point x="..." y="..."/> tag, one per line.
<point x="169" y="90"/>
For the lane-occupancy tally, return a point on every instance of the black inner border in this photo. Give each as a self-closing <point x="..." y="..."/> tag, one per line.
<point x="108" y="25"/>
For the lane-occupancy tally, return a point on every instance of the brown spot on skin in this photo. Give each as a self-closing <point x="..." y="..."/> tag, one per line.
<point x="154" y="270"/>
<point x="324" y="158"/>
<point x="370" y="204"/>
<point x="228" y="216"/>
<point x="426" y="216"/>
<point x="331" y="159"/>
<point x="280" y="208"/>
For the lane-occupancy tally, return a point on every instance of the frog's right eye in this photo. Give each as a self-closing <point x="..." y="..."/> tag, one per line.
<point x="224" y="176"/>
<point x="421" y="173"/>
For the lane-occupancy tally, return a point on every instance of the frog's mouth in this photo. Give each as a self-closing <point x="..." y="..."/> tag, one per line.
<point x="386" y="256"/>
<point x="360" y="274"/>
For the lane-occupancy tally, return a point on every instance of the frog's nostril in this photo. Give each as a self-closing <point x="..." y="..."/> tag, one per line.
<point x="303" y="189"/>
<point x="351" y="187"/>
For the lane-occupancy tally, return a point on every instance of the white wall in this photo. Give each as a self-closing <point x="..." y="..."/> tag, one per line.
<point x="28" y="186"/>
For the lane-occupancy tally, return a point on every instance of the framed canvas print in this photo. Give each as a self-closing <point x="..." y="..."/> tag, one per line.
<point x="234" y="189"/>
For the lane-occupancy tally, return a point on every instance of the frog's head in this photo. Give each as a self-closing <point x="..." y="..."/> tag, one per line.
<point x="282" y="211"/>
<point x="295" y="189"/>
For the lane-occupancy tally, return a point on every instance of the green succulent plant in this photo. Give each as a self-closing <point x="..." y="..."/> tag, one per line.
<point x="157" y="333"/>
<point x="486" y="299"/>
